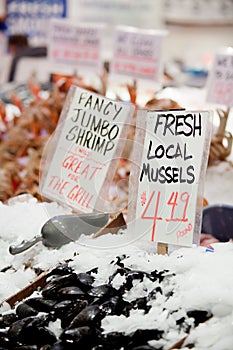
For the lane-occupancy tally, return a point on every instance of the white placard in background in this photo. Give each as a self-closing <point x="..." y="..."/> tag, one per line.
<point x="166" y="183"/>
<point x="137" y="53"/>
<point x="75" y="46"/>
<point x="220" y="81"/>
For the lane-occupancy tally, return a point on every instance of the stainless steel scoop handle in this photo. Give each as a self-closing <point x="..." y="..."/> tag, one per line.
<point x="24" y="245"/>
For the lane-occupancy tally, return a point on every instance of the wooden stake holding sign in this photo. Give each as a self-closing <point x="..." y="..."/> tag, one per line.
<point x="166" y="182"/>
<point x="220" y="91"/>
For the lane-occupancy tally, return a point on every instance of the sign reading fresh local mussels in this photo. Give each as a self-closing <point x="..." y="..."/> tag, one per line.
<point x="166" y="182"/>
<point x="81" y="157"/>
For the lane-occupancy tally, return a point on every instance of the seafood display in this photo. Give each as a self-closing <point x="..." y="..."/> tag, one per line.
<point x="80" y="309"/>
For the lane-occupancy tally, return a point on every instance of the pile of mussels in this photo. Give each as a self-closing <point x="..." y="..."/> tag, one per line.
<point x="80" y="304"/>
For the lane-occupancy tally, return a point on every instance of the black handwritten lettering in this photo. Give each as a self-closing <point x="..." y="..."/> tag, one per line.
<point x="172" y="151"/>
<point x="167" y="175"/>
<point x="187" y="125"/>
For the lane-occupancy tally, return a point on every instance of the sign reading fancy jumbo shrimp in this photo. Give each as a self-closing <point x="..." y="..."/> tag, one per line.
<point x="82" y="155"/>
<point x="170" y="158"/>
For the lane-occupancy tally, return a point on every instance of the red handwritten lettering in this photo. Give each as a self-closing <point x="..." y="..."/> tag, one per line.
<point x="184" y="232"/>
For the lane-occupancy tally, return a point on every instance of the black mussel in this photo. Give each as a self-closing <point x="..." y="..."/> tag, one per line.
<point x="37" y="335"/>
<point x="82" y="337"/>
<point x="51" y="288"/>
<point x="61" y="269"/>
<point x="85" y="281"/>
<point x="59" y="345"/>
<point x="7" y="319"/>
<point x="102" y="291"/>
<point x="72" y="313"/>
<point x="113" y="306"/>
<point x="199" y="316"/>
<point x="146" y="347"/>
<point x="66" y="310"/>
<point x="62" y="307"/>
<point x="25" y="347"/>
<point x="16" y="328"/>
<point x="40" y="304"/>
<point x="90" y="316"/>
<point x="23" y="310"/>
<point x="115" y="340"/>
<point x="4" y="340"/>
<point x="70" y="292"/>
<point x="142" y="336"/>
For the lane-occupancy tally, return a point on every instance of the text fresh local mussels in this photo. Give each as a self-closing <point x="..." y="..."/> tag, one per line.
<point x="170" y="125"/>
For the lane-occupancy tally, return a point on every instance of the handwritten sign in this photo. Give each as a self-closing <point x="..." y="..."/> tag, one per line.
<point x="138" y="53"/>
<point x="32" y="18"/>
<point x="79" y="162"/>
<point x="171" y="152"/>
<point x="75" y="45"/>
<point x="220" y="82"/>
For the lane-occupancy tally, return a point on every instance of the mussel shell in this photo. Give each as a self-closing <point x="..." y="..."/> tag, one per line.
<point x="146" y="347"/>
<point x="51" y="288"/>
<point x="16" y="328"/>
<point x="7" y="319"/>
<point x="70" y="292"/>
<point x="23" y="310"/>
<point x="115" y="340"/>
<point x="142" y="336"/>
<point x="34" y="335"/>
<point x="40" y="304"/>
<point x="90" y="316"/>
<point x="85" y="281"/>
<point x="25" y="347"/>
<point x="59" y="345"/>
<point x="66" y="310"/>
<point x="82" y="337"/>
<point x="4" y="341"/>
<point x="103" y="290"/>
<point x="60" y="270"/>
<point x="113" y="306"/>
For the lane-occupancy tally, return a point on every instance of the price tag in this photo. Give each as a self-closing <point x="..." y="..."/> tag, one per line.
<point x="220" y="81"/>
<point x="75" y="46"/>
<point x="82" y="156"/>
<point x="170" y="158"/>
<point x="138" y="53"/>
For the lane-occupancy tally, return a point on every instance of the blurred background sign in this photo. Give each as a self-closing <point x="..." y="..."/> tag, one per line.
<point x="31" y="17"/>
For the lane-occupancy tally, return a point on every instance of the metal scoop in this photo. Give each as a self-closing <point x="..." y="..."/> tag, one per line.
<point x="63" y="229"/>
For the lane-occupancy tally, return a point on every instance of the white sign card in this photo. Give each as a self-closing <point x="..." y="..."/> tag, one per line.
<point x="137" y="53"/>
<point x="220" y="81"/>
<point x="75" y="45"/>
<point x="166" y="182"/>
<point x="81" y="157"/>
